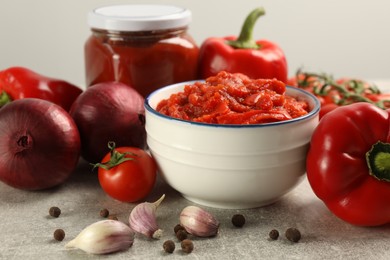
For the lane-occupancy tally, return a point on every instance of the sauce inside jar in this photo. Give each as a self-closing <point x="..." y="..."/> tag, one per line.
<point x="233" y="99"/>
<point x="143" y="46"/>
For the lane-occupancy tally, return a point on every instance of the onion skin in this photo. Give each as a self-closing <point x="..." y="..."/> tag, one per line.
<point x="39" y="144"/>
<point x="109" y="112"/>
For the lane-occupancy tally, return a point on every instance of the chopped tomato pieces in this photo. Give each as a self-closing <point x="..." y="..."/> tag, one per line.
<point x="233" y="99"/>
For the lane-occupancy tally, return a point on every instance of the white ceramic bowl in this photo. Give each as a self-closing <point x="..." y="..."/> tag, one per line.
<point x="230" y="166"/>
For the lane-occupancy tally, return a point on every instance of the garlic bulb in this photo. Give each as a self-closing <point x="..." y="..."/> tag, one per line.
<point x="199" y="222"/>
<point x="102" y="237"/>
<point x="143" y="220"/>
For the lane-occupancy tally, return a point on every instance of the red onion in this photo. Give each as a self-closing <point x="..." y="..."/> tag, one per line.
<point x="39" y="144"/>
<point x="105" y="112"/>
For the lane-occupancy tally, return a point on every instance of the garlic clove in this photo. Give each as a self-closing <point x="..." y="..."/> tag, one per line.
<point x="103" y="237"/>
<point x="143" y="220"/>
<point x="199" y="222"/>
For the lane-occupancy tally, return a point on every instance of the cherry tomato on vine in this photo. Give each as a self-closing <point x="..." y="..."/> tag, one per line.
<point x="333" y="93"/>
<point x="127" y="174"/>
<point x="326" y="108"/>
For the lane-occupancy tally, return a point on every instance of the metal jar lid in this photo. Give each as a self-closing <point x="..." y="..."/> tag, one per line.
<point x="138" y="17"/>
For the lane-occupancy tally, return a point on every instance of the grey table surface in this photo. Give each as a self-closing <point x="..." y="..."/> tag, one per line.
<point x="27" y="229"/>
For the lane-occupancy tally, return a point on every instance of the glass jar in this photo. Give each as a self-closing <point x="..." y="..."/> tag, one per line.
<point x="143" y="46"/>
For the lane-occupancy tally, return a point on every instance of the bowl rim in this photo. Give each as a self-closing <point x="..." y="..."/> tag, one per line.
<point x="313" y="112"/>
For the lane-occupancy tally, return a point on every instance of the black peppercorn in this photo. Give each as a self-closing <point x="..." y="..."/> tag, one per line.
<point x="181" y="234"/>
<point x="169" y="246"/>
<point x="274" y="234"/>
<point x="238" y="220"/>
<point x="55" y="212"/>
<point x="293" y="234"/>
<point x="177" y="228"/>
<point x="59" y="234"/>
<point x="187" y="246"/>
<point x="104" y="213"/>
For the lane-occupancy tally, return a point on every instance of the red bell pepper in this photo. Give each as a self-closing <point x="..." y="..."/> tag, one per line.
<point x="348" y="163"/>
<point x="19" y="82"/>
<point x="256" y="59"/>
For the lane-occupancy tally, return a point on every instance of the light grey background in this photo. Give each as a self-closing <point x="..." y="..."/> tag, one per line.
<point x="342" y="37"/>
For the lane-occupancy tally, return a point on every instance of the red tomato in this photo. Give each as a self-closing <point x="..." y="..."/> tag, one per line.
<point x="384" y="97"/>
<point x="326" y="108"/>
<point x="131" y="180"/>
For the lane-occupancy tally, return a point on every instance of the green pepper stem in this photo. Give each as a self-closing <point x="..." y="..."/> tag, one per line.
<point x="4" y="98"/>
<point x="245" y="39"/>
<point x="378" y="161"/>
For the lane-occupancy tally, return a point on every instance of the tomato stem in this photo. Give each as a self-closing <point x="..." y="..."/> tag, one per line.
<point x="378" y="161"/>
<point x="116" y="158"/>
<point x="245" y="40"/>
